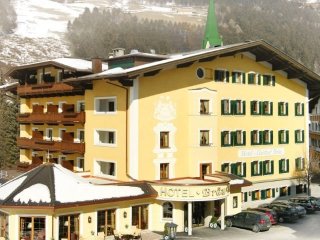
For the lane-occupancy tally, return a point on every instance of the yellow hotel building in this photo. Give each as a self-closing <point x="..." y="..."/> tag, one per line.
<point x="140" y="140"/>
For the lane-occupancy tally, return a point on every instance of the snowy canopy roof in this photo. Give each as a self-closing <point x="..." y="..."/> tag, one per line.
<point x="52" y="185"/>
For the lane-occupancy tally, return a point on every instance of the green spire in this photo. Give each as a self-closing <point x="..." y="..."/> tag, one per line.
<point x="211" y="36"/>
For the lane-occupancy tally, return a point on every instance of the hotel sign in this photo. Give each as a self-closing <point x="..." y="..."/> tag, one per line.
<point x="261" y="152"/>
<point x="191" y="193"/>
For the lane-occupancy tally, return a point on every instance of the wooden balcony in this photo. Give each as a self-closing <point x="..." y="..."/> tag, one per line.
<point x="315" y="118"/>
<point x="65" y="147"/>
<point x="66" y="118"/>
<point x="48" y="89"/>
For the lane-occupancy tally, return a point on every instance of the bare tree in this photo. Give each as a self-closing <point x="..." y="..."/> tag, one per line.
<point x="306" y="170"/>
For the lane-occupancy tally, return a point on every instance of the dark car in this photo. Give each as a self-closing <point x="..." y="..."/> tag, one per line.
<point x="305" y="202"/>
<point x="284" y="213"/>
<point x="256" y="221"/>
<point x="269" y="212"/>
<point x="301" y="210"/>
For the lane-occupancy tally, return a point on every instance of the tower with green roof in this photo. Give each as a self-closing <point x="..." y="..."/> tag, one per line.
<point x="211" y="35"/>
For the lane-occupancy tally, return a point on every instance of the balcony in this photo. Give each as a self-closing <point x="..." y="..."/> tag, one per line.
<point x="65" y="147"/>
<point x="315" y="118"/>
<point x="67" y="117"/>
<point x="48" y="89"/>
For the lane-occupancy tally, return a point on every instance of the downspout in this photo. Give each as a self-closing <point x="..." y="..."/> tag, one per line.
<point x="127" y="106"/>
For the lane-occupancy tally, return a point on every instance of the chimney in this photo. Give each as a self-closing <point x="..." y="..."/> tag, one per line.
<point x="96" y="65"/>
<point x="118" y="52"/>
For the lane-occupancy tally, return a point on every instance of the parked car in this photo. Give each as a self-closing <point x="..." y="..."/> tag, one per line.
<point x="269" y="212"/>
<point x="305" y="202"/>
<point x="285" y="213"/>
<point x="256" y="221"/>
<point x="301" y="210"/>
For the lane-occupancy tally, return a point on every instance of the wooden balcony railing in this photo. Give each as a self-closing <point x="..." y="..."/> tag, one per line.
<point x="52" y="118"/>
<point x="52" y="146"/>
<point x="47" y="89"/>
<point x="315" y="118"/>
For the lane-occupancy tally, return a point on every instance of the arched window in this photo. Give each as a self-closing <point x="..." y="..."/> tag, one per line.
<point x="167" y="210"/>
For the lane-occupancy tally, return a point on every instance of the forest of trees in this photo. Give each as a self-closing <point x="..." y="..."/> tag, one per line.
<point x="286" y="25"/>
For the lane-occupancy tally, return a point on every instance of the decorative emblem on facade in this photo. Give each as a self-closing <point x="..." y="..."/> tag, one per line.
<point x="165" y="110"/>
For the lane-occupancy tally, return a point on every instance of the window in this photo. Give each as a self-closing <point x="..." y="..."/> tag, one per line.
<point x="283" y="165"/>
<point x="164" y="170"/>
<point x="69" y="227"/>
<point x="204" y="106"/>
<point x="238" y="107"/>
<point x="238" y="169"/>
<point x="268" y="167"/>
<point x="81" y="106"/>
<point x="300" y="164"/>
<point x="167" y="210"/>
<point x="221" y="76"/>
<point x="299" y="136"/>
<point x="255" y="107"/>
<point x="106" y="168"/>
<point x="256" y="137"/>
<point x="267" y="137"/>
<point x="254" y="78"/>
<point x="255" y="195"/>
<point x="299" y="109"/>
<point x="283" y="191"/>
<point x="205" y="168"/>
<point x="80" y="164"/>
<point x="32" y="227"/>
<point x="49" y="134"/>
<point x="204" y="138"/>
<point x="283" y="109"/>
<point x="226" y="139"/>
<point x="105" y="105"/>
<point x="106" y="221"/>
<point x="80" y="133"/>
<point x="105" y="138"/>
<point x="238" y="77"/>
<point x="235" y="202"/>
<point x="245" y="197"/>
<point x="226" y="107"/>
<point x="164" y="139"/>
<point x="283" y="136"/>
<point x="59" y="75"/>
<point x="200" y="73"/>
<point x="267" y="108"/>
<point x="239" y="138"/>
<point x="225" y="167"/>
<point x="256" y="168"/>
<point x="268" y="80"/>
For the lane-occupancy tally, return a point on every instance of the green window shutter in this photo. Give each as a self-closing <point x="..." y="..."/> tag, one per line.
<point x="287" y="136"/>
<point x="243" y="107"/>
<point x="296" y="109"/>
<point x="227" y="76"/>
<point x="244" y="165"/>
<point x="279" y="108"/>
<point x="287" y="109"/>
<point x="252" y="169"/>
<point x="260" y="168"/>
<point x="280" y="165"/>
<point x="222" y="167"/>
<point x="222" y="107"/>
<point x="272" y="167"/>
<point x="234" y="139"/>
<point x="287" y="160"/>
<point x="296" y="132"/>
<point x="302" y="109"/>
<point x="273" y="80"/>
<point x="264" y="171"/>
<point x="245" y="196"/>
<point x="302" y="135"/>
<point x="250" y="78"/>
<point x="244" y="138"/>
<point x="273" y="192"/>
<point x="252" y="196"/>
<point x="222" y="138"/>
<point x="263" y="194"/>
<point x="265" y="80"/>
<point x="259" y="79"/>
<point x="261" y="108"/>
<point x="234" y="168"/>
<point x="279" y="136"/>
<point x="271" y="136"/>
<point x="216" y="75"/>
<point x="233" y="77"/>
<point x="271" y="108"/>
<point x="297" y="163"/>
<point x="244" y="78"/>
<point x="261" y="134"/>
<point x="251" y="107"/>
<point x="233" y="107"/>
<point x="289" y="191"/>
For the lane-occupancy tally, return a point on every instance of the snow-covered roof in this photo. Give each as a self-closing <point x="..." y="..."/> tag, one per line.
<point x="52" y="185"/>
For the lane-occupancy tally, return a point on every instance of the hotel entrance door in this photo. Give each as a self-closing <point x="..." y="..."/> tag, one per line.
<point x="198" y="214"/>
